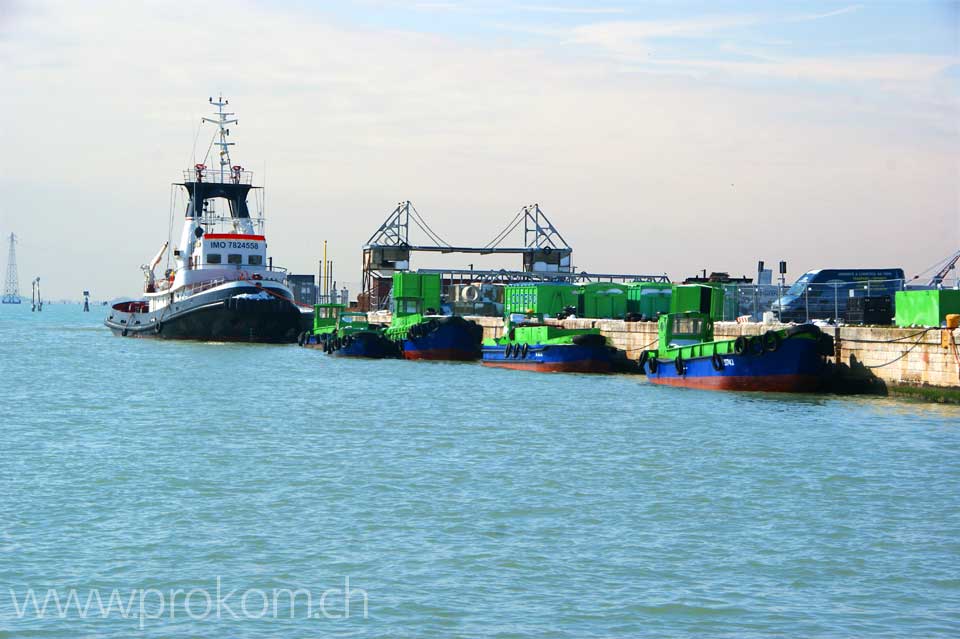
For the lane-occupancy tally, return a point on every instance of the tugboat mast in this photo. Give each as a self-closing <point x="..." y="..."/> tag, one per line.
<point x="223" y="119"/>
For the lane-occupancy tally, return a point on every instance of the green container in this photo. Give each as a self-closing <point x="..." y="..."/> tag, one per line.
<point x="538" y="299"/>
<point x="603" y="300"/>
<point x="416" y="292"/>
<point x="649" y="299"/>
<point x="926" y="308"/>
<point x="697" y="298"/>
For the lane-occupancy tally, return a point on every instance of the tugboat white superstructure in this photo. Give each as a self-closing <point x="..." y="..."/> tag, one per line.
<point x="222" y="286"/>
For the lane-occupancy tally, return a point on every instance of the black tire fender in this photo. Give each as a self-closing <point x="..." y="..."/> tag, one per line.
<point x="508" y="352"/>
<point x="717" y="362"/>
<point x="771" y="341"/>
<point x="679" y="365"/>
<point x="652" y="364"/>
<point x="740" y="345"/>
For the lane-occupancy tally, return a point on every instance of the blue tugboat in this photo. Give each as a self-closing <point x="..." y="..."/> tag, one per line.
<point x="420" y="331"/>
<point x="344" y="333"/>
<point x="787" y="360"/>
<point x="370" y="343"/>
<point x="438" y="337"/>
<point x="540" y="347"/>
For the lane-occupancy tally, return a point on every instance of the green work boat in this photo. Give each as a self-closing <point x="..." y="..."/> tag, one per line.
<point x="530" y="342"/>
<point x="344" y="333"/>
<point x="418" y="328"/>
<point x="788" y="359"/>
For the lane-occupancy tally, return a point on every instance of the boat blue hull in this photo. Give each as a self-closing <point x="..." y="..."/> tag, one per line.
<point x="369" y="345"/>
<point x="449" y="341"/>
<point x="558" y="358"/>
<point x="796" y="366"/>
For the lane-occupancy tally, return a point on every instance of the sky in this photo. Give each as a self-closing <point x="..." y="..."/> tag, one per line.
<point x="659" y="137"/>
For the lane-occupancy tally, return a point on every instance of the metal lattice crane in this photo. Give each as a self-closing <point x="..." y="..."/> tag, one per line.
<point x="388" y="249"/>
<point x="11" y="288"/>
<point x="937" y="280"/>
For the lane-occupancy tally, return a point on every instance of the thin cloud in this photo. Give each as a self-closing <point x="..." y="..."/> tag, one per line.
<point x="537" y="8"/>
<point x="828" y="14"/>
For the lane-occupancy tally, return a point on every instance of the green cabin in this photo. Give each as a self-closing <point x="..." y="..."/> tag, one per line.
<point x="700" y="298"/>
<point x="330" y="318"/>
<point x="416" y="293"/>
<point x="325" y="317"/>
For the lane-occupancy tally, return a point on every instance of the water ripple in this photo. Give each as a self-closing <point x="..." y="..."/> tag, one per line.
<point x="464" y="501"/>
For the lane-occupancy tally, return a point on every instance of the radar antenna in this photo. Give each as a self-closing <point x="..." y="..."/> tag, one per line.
<point x="222" y="120"/>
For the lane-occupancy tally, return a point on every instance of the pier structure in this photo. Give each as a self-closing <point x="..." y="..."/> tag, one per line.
<point x="546" y="256"/>
<point x="11" y="286"/>
<point x="544" y="251"/>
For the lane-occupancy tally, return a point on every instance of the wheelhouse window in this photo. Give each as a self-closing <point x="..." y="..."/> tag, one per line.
<point x="687" y="326"/>
<point x="255" y="260"/>
<point x="234" y="258"/>
<point x="213" y="258"/>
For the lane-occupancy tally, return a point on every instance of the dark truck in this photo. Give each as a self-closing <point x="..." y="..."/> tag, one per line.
<point x="824" y="293"/>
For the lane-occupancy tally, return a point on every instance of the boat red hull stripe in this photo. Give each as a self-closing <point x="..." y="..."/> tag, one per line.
<point x="576" y="366"/>
<point x="770" y="384"/>
<point x="233" y="236"/>
<point x="454" y="354"/>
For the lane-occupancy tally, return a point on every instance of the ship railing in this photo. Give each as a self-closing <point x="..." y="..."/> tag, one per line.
<point x="203" y="286"/>
<point x="227" y="224"/>
<point x="214" y="175"/>
<point x="242" y="273"/>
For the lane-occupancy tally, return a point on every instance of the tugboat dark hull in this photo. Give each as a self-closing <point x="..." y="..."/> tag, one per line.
<point x="232" y="319"/>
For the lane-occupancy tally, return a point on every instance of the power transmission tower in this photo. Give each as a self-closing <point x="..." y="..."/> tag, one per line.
<point x="11" y="288"/>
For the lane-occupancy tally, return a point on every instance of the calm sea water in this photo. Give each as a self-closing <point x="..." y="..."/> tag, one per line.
<point x="458" y="501"/>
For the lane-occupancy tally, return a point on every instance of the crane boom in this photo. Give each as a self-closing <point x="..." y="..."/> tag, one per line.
<point x="941" y="275"/>
<point x="159" y="256"/>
